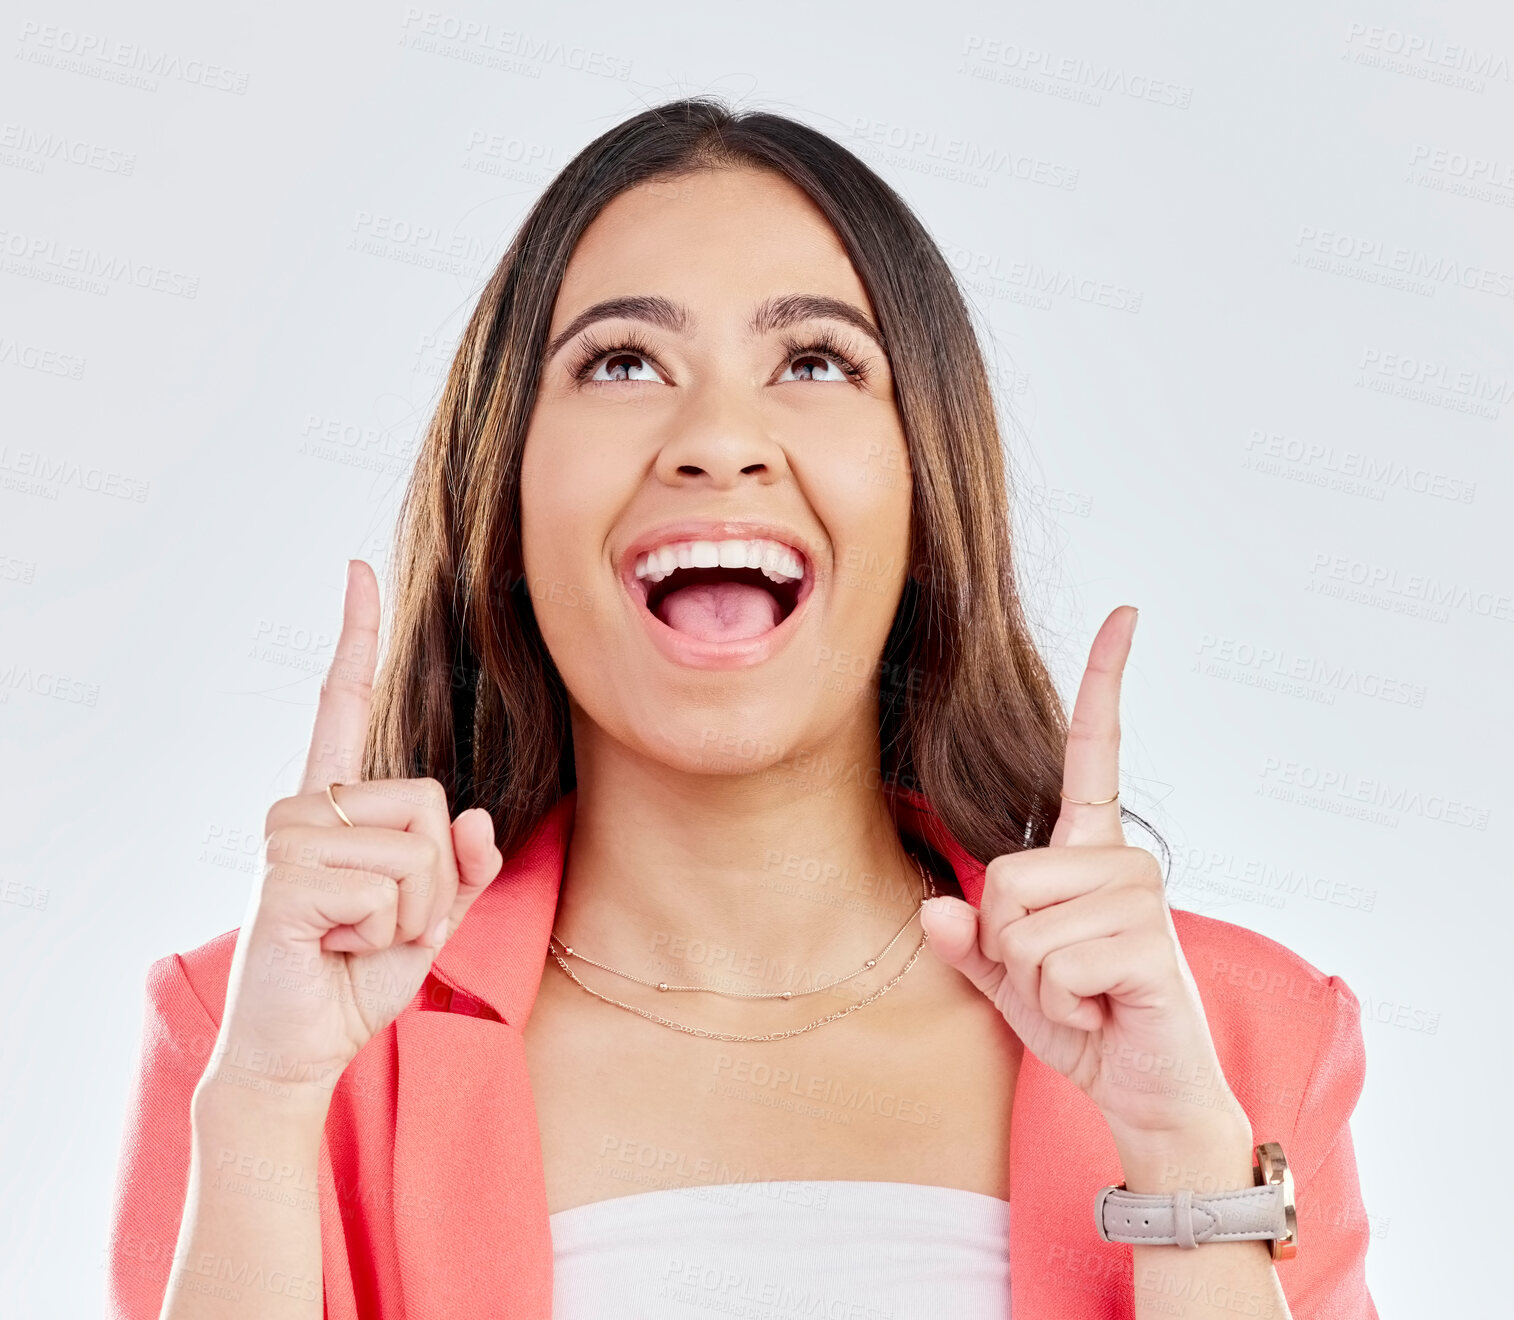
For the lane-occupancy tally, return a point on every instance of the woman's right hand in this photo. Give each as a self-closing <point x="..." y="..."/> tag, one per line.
<point x="346" y="920"/>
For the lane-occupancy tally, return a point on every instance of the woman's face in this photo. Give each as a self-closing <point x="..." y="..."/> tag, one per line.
<point x="763" y="469"/>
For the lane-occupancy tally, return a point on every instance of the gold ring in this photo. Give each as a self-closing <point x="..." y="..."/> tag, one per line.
<point x="1102" y="802"/>
<point x="336" y="806"/>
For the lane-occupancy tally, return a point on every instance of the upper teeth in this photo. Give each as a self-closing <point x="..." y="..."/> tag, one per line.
<point x="776" y="560"/>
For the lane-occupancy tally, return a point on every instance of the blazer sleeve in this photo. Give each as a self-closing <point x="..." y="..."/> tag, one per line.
<point x="1327" y="1280"/>
<point x="152" y="1173"/>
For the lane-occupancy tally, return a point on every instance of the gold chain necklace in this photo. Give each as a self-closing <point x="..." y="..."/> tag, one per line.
<point x="928" y="891"/>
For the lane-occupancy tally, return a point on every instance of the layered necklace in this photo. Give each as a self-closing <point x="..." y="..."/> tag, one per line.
<point x="562" y="951"/>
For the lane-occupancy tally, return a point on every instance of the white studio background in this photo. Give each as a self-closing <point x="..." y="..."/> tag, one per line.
<point x="1247" y="276"/>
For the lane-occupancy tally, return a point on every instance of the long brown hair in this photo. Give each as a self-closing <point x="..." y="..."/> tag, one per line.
<point x="968" y="714"/>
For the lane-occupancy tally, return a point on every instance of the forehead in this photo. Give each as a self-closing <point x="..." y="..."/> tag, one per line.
<point x="735" y="233"/>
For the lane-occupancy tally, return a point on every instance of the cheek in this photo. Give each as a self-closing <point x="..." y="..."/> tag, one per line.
<point x="563" y="526"/>
<point x="565" y="497"/>
<point x="864" y="495"/>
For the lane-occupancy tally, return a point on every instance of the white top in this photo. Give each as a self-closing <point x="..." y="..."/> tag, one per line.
<point x="784" y="1251"/>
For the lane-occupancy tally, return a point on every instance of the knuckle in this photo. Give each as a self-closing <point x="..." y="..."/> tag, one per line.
<point x="388" y="893"/>
<point x="1005" y="876"/>
<point x="1146" y="868"/>
<point x="1144" y="903"/>
<point x="428" y="867"/>
<point x="278" y="845"/>
<point x="433" y="795"/>
<point x="429" y="853"/>
<point x="1017" y="943"/>
<point x="276" y="815"/>
<point x="1054" y="968"/>
<point x="1156" y="901"/>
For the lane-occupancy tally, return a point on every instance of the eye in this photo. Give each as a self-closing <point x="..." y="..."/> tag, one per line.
<point x="599" y="363"/>
<point x="816" y="366"/>
<point x="823" y="359"/>
<point x="621" y="365"/>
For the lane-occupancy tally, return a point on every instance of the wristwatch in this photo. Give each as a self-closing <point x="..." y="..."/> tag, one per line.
<point x="1186" y="1219"/>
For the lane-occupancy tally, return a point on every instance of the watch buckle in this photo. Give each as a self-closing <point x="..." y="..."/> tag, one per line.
<point x="1271" y="1170"/>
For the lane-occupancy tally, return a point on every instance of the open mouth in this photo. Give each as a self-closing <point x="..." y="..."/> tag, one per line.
<point x="726" y="591"/>
<point x="721" y="604"/>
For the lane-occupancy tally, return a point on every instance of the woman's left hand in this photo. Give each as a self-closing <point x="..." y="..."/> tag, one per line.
<point x="1074" y="944"/>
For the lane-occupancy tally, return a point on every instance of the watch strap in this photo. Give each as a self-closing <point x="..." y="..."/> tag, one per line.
<point x="1185" y="1219"/>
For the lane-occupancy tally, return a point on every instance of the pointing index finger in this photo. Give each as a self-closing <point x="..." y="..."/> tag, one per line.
<point x="1091" y="771"/>
<point x="340" y="735"/>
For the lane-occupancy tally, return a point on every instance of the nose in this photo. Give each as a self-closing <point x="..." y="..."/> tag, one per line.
<point x="720" y="440"/>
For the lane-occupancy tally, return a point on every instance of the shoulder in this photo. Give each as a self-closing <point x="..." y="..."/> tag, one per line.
<point x="1241" y="972"/>
<point x="1288" y="1034"/>
<point x="186" y="986"/>
<point x="1289" y="1038"/>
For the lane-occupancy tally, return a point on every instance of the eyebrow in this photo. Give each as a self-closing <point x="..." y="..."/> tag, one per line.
<point x="775" y="313"/>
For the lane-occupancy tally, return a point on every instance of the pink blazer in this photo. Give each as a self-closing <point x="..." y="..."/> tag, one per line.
<point x="432" y="1193"/>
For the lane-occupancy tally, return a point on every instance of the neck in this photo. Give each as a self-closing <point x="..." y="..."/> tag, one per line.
<point x="779" y="880"/>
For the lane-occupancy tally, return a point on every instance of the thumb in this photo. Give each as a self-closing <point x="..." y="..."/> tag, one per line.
<point x="478" y="861"/>
<point x="953" y="929"/>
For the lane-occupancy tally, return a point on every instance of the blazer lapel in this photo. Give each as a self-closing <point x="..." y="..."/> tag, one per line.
<point x="465" y="1128"/>
<point x="1060" y="1154"/>
<point x="465" y="1121"/>
<point x="497" y="955"/>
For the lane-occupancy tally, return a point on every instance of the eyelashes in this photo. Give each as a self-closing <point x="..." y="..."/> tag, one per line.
<point x="591" y="349"/>
<point x="824" y="344"/>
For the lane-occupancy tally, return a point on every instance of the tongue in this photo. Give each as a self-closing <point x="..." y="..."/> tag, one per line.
<point x="720" y="611"/>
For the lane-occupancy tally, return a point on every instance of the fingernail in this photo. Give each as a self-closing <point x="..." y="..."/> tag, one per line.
<point x="946" y="906"/>
<point x="439" y="935"/>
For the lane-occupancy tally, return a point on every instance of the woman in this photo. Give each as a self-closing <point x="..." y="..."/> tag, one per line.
<point x="705" y="572"/>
